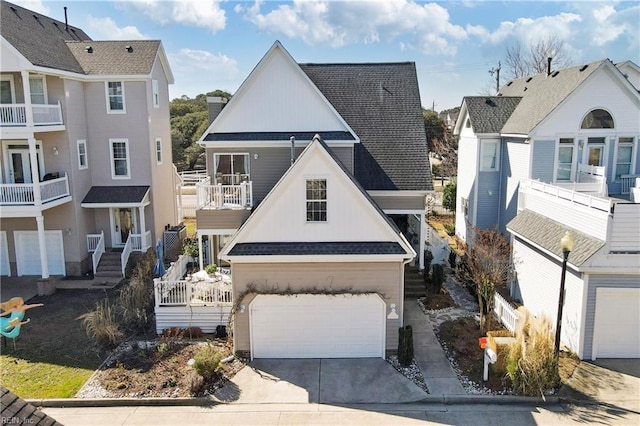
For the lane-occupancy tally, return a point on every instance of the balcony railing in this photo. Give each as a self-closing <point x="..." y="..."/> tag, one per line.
<point x="43" y="115"/>
<point x="225" y="196"/>
<point x="559" y="192"/>
<point x="21" y="194"/>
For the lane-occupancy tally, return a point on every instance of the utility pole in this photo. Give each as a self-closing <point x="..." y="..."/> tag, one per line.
<point x="496" y="71"/>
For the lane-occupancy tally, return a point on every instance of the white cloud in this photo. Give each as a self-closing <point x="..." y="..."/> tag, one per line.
<point x="425" y="27"/>
<point x="194" y="13"/>
<point x="609" y="24"/>
<point x="200" y="71"/>
<point x="34" y="5"/>
<point x="107" y="29"/>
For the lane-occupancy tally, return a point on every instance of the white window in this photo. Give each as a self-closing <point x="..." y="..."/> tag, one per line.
<point x="38" y="89"/>
<point x="158" y="151"/>
<point x="489" y="152"/>
<point x="316" y="200"/>
<point x="83" y="160"/>
<point x="564" y="170"/>
<point x="155" y="93"/>
<point x="119" y="158"/>
<point x="115" y="97"/>
<point x="624" y="157"/>
<point x="7" y="92"/>
<point x="231" y="169"/>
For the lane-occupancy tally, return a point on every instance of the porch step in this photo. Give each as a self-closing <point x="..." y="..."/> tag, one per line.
<point x="109" y="266"/>
<point x="414" y="286"/>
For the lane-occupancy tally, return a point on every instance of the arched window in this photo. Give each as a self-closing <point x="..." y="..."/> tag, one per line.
<point x="597" y="119"/>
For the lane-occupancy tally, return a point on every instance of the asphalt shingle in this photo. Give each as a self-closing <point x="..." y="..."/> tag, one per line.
<point x="114" y="57"/>
<point x="488" y="114"/>
<point x="115" y="194"/>
<point x="316" y="248"/>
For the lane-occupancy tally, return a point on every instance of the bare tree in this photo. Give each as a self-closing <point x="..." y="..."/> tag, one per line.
<point x="522" y="61"/>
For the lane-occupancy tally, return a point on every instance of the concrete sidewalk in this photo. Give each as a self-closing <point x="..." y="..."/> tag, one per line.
<point x="436" y="368"/>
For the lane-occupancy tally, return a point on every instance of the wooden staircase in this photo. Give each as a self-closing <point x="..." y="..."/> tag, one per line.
<point x="110" y="265"/>
<point x="414" y="285"/>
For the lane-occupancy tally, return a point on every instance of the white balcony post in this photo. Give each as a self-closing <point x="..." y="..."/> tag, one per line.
<point x="35" y="175"/>
<point x="27" y="98"/>
<point x="200" y="260"/>
<point x="44" y="264"/>
<point x="423" y="226"/>
<point x="143" y="229"/>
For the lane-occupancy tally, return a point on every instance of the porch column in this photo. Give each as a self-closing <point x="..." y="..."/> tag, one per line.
<point x="26" y="88"/>
<point x="200" y="256"/>
<point x="422" y="238"/>
<point x="44" y="265"/>
<point x="35" y="174"/>
<point x="143" y="229"/>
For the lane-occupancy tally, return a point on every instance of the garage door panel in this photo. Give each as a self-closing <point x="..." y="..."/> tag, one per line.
<point x="28" y="253"/>
<point x="317" y="326"/>
<point x="5" y="268"/>
<point x="617" y="323"/>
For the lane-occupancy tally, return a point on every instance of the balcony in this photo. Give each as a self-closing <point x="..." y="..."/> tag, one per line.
<point x="22" y="194"/>
<point x="15" y="115"/>
<point x="221" y="196"/>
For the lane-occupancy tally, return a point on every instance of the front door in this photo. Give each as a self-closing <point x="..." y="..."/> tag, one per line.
<point x="19" y="166"/>
<point x="125" y="221"/>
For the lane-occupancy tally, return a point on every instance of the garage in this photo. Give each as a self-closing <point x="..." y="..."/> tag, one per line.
<point x="617" y="323"/>
<point x="5" y="268"/>
<point x="317" y="326"/>
<point x="28" y="252"/>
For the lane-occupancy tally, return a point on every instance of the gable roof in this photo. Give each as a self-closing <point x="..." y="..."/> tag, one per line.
<point x="542" y="93"/>
<point x="113" y="57"/>
<point x="381" y="103"/>
<point x="488" y="114"/>
<point x="40" y="39"/>
<point x="547" y="233"/>
<point x="374" y="233"/>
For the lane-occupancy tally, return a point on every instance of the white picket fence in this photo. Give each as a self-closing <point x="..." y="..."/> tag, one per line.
<point x="506" y="313"/>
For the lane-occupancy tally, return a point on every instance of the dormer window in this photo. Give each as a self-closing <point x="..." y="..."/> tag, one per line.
<point x="316" y="200"/>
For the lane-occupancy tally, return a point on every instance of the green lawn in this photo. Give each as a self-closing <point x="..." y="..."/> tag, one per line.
<point x="52" y="357"/>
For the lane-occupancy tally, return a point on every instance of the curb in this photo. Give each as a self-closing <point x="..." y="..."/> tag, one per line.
<point x="204" y="401"/>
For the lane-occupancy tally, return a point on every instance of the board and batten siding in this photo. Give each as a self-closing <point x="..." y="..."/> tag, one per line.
<point x="543" y="154"/>
<point x="384" y="278"/>
<point x="538" y="282"/>
<point x="488" y="201"/>
<point x="267" y="165"/>
<point x="515" y="167"/>
<point x="403" y="202"/>
<point x="595" y="282"/>
<point x="625" y="229"/>
<point x="221" y="219"/>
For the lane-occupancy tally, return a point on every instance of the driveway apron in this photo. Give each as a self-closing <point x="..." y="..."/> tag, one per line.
<point x="332" y="381"/>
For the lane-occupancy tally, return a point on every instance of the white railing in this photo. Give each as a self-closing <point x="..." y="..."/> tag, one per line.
<point x="224" y="196"/>
<point x="178" y="269"/>
<point x="43" y="115"/>
<point x="628" y="182"/>
<point x="126" y="252"/>
<point x="183" y="293"/>
<point x="22" y="193"/>
<point x="140" y="242"/>
<point x="506" y="313"/>
<point x="438" y="246"/>
<point x="567" y="194"/>
<point x="95" y="243"/>
<point x="231" y="179"/>
<point x="192" y="177"/>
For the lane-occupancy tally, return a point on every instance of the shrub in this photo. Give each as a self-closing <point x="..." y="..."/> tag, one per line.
<point x="136" y="297"/>
<point x="449" y="228"/>
<point x="437" y="276"/>
<point x="101" y="325"/>
<point x="190" y="247"/>
<point x="449" y="196"/>
<point x="211" y="269"/>
<point x="531" y="363"/>
<point x="207" y="361"/>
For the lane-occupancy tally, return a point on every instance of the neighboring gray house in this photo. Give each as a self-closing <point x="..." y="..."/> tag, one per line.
<point x="558" y="152"/>
<point x="85" y="138"/>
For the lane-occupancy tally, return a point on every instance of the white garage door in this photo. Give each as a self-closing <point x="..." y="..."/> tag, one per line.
<point x="5" y="269"/>
<point x="617" y="323"/>
<point x="317" y="326"/>
<point x="28" y="252"/>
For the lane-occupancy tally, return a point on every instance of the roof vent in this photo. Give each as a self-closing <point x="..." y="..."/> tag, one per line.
<point x="584" y="67"/>
<point x="509" y="83"/>
<point x="490" y="102"/>
<point x="555" y="73"/>
<point x="525" y="89"/>
<point x="89" y="49"/>
<point x="529" y="79"/>
<point x="128" y="48"/>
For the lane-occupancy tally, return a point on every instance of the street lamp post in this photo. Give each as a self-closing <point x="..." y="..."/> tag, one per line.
<point x="566" y="243"/>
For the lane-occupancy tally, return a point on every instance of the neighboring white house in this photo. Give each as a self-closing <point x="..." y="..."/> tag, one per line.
<point x="558" y="152"/>
<point x="85" y="159"/>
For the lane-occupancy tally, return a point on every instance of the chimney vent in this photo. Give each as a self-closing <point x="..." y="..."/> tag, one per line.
<point x="128" y="48"/>
<point x="548" y="66"/>
<point x="214" y="106"/>
<point x="66" y="21"/>
<point x="89" y="49"/>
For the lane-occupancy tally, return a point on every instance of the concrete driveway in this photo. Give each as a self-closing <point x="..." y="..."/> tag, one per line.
<point x="334" y="381"/>
<point x="611" y="382"/>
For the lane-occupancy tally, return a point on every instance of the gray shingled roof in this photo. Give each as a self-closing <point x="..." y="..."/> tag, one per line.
<point x="16" y="410"/>
<point x="547" y="233"/>
<point x="277" y="136"/>
<point x="316" y="248"/>
<point x="541" y="94"/>
<point x="488" y="114"/>
<point x="39" y="38"/>
<point x="381" y="103"/>
<point x="115" y="194"/>
<point x="112" y="57"/>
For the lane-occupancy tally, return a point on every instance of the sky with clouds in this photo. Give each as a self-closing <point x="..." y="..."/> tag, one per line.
<point x="214" y="44"/>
